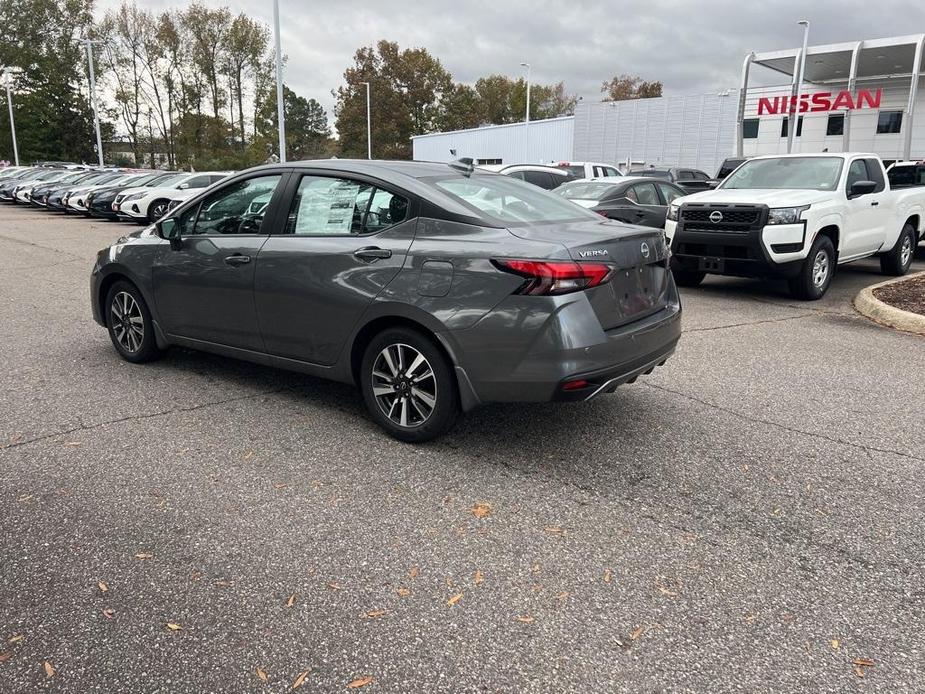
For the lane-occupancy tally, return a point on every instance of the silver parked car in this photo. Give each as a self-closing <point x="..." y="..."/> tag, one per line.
<point x="432" y="287"/>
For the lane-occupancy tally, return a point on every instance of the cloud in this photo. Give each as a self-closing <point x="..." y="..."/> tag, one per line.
<point x="692" y="47"/>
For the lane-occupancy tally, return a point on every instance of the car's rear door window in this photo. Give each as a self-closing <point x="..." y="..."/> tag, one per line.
<point x="332" y="206"/>
<point x="645" y="194"/>
<point x="669" y="193"/>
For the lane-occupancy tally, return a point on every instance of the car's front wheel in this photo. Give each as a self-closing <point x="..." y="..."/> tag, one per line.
<point x="129" y="322"/>
<point x="817" y="271"/>
<point x="408" y="385"/>
<point x="157" y="209"/>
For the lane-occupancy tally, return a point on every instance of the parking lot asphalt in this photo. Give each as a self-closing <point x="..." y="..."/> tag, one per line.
<point x="747" y="518"/>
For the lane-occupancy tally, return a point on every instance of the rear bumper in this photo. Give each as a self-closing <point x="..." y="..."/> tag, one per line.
<point x="532" y="359"/>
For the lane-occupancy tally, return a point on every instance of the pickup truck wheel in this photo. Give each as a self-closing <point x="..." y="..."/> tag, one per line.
<point x="898" y="259"/>
<point x="817" y="271"/>
<point x="687" y="278"/>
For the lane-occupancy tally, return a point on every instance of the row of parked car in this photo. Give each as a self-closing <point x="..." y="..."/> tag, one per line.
<point x="137" y="195"/>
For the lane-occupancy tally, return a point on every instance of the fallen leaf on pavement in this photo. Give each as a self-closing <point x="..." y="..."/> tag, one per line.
<point x="372" y="614"/>
<point x="481" y="510"/>
<point x="479" y="577"/>
<point x="637" y="632"/>
<point x="608" y="576"/>
<point x="414" y="572"/>
<point x="280" y="486"/>
<point x="16" y="639"/>
<point x="72" y="443"/>
<point x="5" y="656"/>
<point x="554" y="530"/>
<point x="248" y="455"/>
<point x="108" y="613"/>
<point x="526" y="619"/>
<point x="403" y="592"/>
<point x="664" y="591"/>
<point x="835" y="644"/>
<point x="333" y="586"/>
<point x="173" y="627"/>
<point x="142" y="556"/>
<point x="300" y="680"/>
<point x="49" y="670"/>
<point x="24" y="498"/>
<point x="562" y="596"/>
<point x="360" y="682"/>
<point x="455" y="599"/>
<point x="262" y="674"/>
<point x="103" y="587"/>
<point x="291" y="601"/>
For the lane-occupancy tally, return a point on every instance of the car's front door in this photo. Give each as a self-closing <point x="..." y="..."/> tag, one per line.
<point x="647" y="208"/>
<point x="862" y="233"/>
<point x="344" y="239"/>
<point x="204" y="283"/>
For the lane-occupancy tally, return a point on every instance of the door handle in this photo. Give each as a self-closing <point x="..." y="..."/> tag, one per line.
<point x="874" y="203"/>
<point x="238" y="259"/>
<point x="372" y="253"/>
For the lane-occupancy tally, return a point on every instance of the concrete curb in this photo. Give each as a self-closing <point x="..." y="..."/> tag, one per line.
<point x="884" y="314"/>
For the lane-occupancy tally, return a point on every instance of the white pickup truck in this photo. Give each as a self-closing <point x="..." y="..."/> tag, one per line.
<point x="797" y="217"/>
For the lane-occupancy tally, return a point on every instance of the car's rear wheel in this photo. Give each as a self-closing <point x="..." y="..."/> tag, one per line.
<point x="817" y="271"/>
<point x="157" y="209"/>
<point x="129" y="322"/>
<point x="898" y="259"/>
<point x="408" y="385"/>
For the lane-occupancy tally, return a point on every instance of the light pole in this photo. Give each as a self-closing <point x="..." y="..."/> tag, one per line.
<point x="369" y="125"/>
<point x="794" y="117"/>
<point x="527" y="116"/>
<point x="7" y="80"/>
<point x="280" y="111"/>
<point x="96" y="115"/>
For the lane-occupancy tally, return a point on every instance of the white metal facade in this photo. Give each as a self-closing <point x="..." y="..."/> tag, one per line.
<point x="542" y="142"/>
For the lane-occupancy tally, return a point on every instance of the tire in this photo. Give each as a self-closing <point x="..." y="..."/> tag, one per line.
<point x="687" y="278"/>
<point x="131" y="346"/>
<point x="157" y="209"/>
<point x="430" y="408"/>
<point x="816" y="274"/>
<point x="898" y="259"/>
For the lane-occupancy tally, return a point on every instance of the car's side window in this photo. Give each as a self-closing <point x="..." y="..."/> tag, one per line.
<point x="609" y="171"/>
<point x="199" y="182"/>
<point x="685" y="175"/>
<point x="646" y="194"/>
<point x="875" y="174"/>
<point x="238" y="208"/>
<point x="631" y="195"/>
<point x="856" y="172"/>
<point x="669" y="193"/>
<point x="329" y="206"/>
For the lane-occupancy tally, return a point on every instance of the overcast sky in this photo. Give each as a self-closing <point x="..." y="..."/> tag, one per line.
<point x="692" y="46"/>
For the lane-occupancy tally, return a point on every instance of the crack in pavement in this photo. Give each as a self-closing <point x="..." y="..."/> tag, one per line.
<point x="793" y="430"/>
<point x="757" y="322"/>
<point x="139" y="417"/>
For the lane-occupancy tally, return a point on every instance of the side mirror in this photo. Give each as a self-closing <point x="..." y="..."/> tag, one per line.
<point x="712" y="184"/>
<point x="169" y="230"/>
<point x="859" y="188"/>
<point x="183" y="186"/>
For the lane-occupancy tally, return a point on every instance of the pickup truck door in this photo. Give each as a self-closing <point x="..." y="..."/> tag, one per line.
<point x="866" y="216"/>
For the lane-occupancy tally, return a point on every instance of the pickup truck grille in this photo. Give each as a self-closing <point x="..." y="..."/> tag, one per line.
<point x="722" y="218"/>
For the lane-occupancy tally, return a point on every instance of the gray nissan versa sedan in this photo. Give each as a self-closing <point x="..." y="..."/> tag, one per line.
<point x="433" y="287"/>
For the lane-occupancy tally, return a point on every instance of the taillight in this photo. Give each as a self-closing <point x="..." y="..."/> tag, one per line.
<point x="550" y="277"/>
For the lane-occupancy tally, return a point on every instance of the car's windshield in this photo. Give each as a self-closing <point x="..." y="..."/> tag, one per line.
<point x="171" y="181"/>
<point x="508" y="200"/>
<point x="652" y="173"/>
<point x="799" y="173"/>
<point x="586" y="191"/>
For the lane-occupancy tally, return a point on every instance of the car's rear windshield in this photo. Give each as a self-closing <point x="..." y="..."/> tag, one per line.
<point x="799" y="173"/>
<point x="510" y="201"/>
<point x="586" y="191"/>
<point x="906" y="175"/>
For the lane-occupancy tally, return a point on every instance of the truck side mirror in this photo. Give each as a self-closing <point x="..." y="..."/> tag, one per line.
<point x="859" y="188"/>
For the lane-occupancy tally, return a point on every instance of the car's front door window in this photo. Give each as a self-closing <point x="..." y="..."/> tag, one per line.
<point x="235" y="209"/>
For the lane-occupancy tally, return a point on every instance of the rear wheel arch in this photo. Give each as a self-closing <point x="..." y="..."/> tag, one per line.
<point x="368" y="332"/>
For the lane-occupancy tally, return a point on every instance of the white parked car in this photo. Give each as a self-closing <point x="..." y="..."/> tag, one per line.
<point x="150" y="204"/>
<point x="588" y="169"/>
<point x="797" y="217"/>
<point x="75" y="199"/>
<point x="547" y="177"/>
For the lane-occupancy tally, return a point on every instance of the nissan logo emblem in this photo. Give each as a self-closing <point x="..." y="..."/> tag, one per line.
<point x="645" y="250"/>
<point x="716" y="216"/>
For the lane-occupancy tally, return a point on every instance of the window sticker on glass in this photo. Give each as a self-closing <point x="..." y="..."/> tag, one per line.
<point x="330" y="206"/>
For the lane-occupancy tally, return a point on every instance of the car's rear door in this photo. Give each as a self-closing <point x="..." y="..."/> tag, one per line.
<point x="342" y="240"/>
<point x="204" y="284"/>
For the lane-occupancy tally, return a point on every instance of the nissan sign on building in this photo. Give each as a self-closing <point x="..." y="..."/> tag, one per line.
<point x="861" y="95"/>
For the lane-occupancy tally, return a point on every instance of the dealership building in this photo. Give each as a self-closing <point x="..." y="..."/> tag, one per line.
<point x="860" y="96"/>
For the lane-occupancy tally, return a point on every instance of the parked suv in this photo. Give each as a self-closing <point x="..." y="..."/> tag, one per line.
<point x="434" y="288"/>
<point x="691" y="180"/>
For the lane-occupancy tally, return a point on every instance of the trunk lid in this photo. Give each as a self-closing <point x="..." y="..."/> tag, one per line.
<point x="638" y="286"/>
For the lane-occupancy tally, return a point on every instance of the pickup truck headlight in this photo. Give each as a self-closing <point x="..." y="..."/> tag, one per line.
<point x="673" y="210"/>
<point x="786" y="215"/>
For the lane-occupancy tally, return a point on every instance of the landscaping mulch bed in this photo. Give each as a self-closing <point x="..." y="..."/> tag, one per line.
<point x="907" y="296"/>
